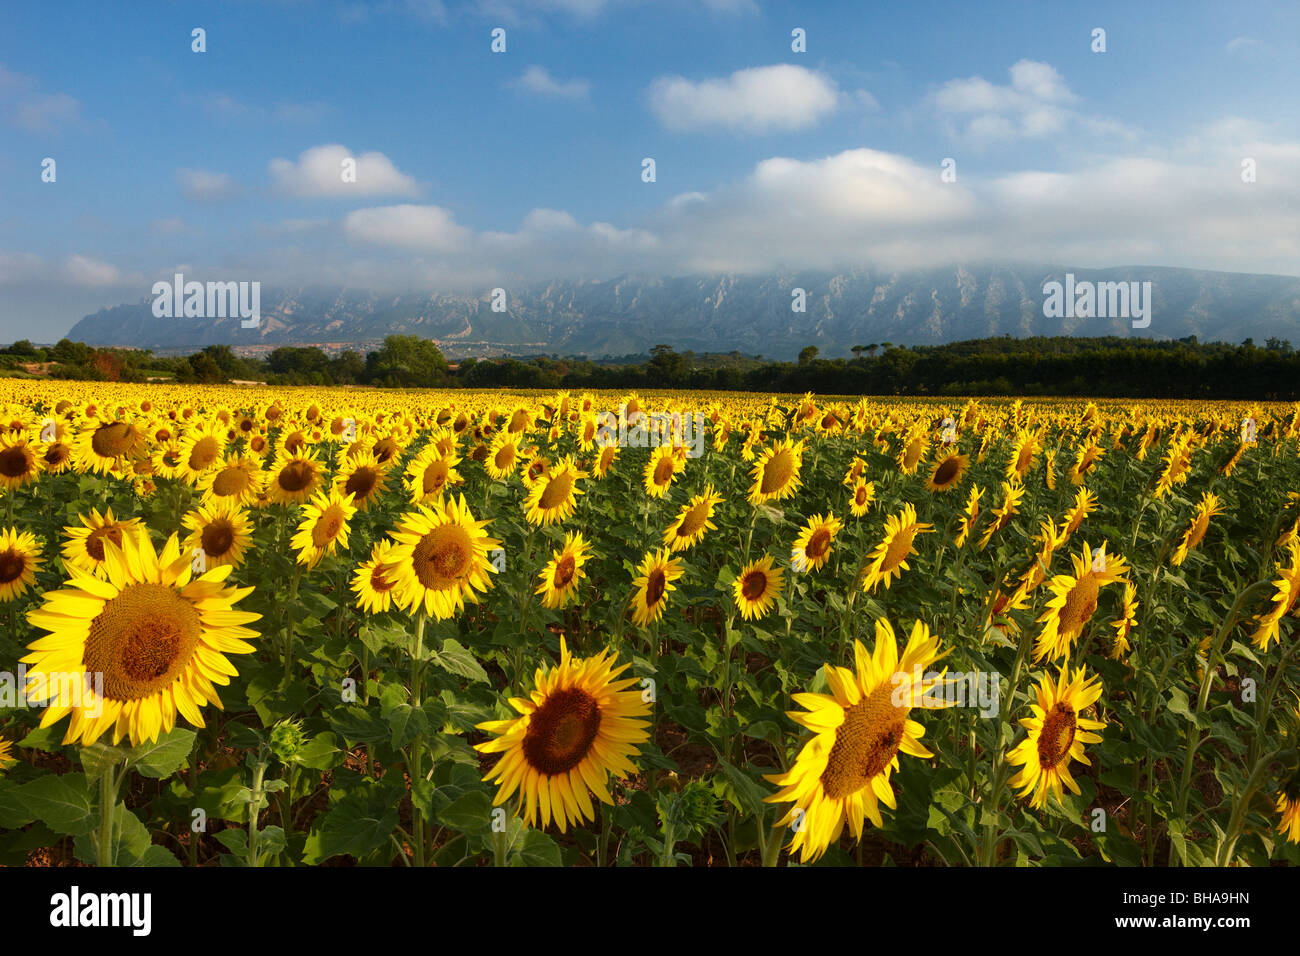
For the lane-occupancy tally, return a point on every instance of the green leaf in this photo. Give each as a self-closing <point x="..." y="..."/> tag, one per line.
<point x="164" y="756"/>
<point x="457" y="659"/>
<point x="536" y="849"/>
<point x="63" y="802"/>
<point x="357" y="825"/>
<point x="471" y="814"/>
<point x="98" y="758"/>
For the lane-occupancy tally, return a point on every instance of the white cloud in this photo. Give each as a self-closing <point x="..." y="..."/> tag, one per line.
<point x="423" y="228"/>
<point x="26" y="106"/>
<point x="83" y="270"/>
<point x="538" y="80"/>
<point x="763" y="99"/>
<point x="1036" y="103"/>
<point x="1238" y="44"/>
<point x="318" y="172"/>
<point x="204" y="185"/>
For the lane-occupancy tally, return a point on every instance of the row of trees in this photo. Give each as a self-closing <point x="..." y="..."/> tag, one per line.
<point x="1110" y="366"/>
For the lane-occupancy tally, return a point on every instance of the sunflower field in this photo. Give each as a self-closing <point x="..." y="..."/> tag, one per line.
<point x="288" y="627"/>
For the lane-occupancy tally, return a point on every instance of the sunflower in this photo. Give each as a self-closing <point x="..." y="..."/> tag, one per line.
<point x="1127" y="621"/>
<point x="295" y="479"/>
<point x="503" y="456"/>
<point x="374" y="581"/>
<point x="19" y="464"/>
<point x="221" y="529"/>
<point x="560" y="578"/>
<point x="441" y="558"/>
<point x="84" y="547"/>
<point x="654" y="581"/>
<point x="812" y="546"/>
<point x="429" y="474"/>
<point x="1057" y="733"/>
<point x="238" y="480"/>
<point x="695" y="518"/>
<point x="20" y="556"/>
<point x="947" y="472"/>
<point x="155" y="635"/>
<point x="202" y="448"/>
<point x="555" y="496"/>
<point x="1207" y="508"/>
<point x="324" y="527"/>
<point x="889" y="559"/>
<point x="1085" y="503"/>
<point x="913" y="451"/>
<point x="1012" y="495"/>
<point x="605" y="460"/>
<point x="756" y="587"/>
<point x="864" y="493"/>
<point x="1178" y="464"/>
<point x="842" y="774"/>
<point x="1021" y="462"/>
<point x="536" y="468"/>
<point x="969" y="516"/>
<point x="56" y="457"/>
<point x="105" y="447"/>
<point x="776" y="472"/>
<point x="1074" y="600"/>
<point x="660" y="471"/>
<point x="1288" y="590"/>
<point x="1288" y="808"/>
<point x="578" y="725"/>
<point x="363" y="478"/>
<point x="1087" y="456"/>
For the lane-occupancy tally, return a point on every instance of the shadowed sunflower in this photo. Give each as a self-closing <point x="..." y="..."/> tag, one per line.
<point x="889" y="559"/>
<point x="374" y="581"/>
<point x="19" y="462"/>
<point x="1074" y="600"/>
<point x="1288" y="590"/>
<point x="6" y="754"/>
<point x="1288" y="808"/>
<point x="222" y="529"/>
<point x="947" y="473"/>
<point x="653" y="583"/>
<point x="842" y="774"/>
<point x="812" y="548"/>
<point x="20" y="556"/>
<point x="84" y="546"/>
<point x="156" y="635"/>
<point x="295" y="479"/>
<point x="695" y="518"/>
<point x="324" y="527"/>
<point x="430" y="473"/>
<point x="776" y="472"/>
<point x="578" y="725"/>
<point x="555" y="495"/>
<point x="756" y="588"/>
<point x="1057" y="733"/>
<point x="238" y="480"/>
<point x="441" y="558"/>
<point x="560" y="578"/>
<point x="362" y="477"/>
<point x="1206" y="509"/>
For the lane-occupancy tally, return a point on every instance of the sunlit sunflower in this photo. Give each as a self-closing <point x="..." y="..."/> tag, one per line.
<point x="20" y="462"/>
<point x="1074" y="600"/>
<point x="238" y="480"/>
<point x="695" y="518"/>
<point x="653" y="583"/>
<point x="56" y="457"/>
<point x="105" y="447"/>
<point x="430" y="473"/>
<point x="864" y="493"/>
<point x="363" y="478"/>
<point x="20" y="557"/>
<point x="156" y="635"/>
<point x="503" y="456"/>
<point x="756" y="588"/>
<point x="441" y="558"/>
<point x="1021" y="462"/>
<point x="969" y="516"/>
<point x="1127" y="621"/>
<point x="555" y="496"/>
<point x="913" y="451"/>
<point x="1178" y="464"/>
<point x="660" y="471"/>
<point x="375" y="581"/>
<point x="889" y="559"/>
<point x="605" y="460"/>
<point x="1085" y="503"/>
<point x="324" y="527"/>
<point x="295" y="479"/>
<point x="577" y="726"/>
<point x="776" y="472"/>
<point x="1084" y="460"/>
<point x="202" y="447"/>
<point x="1057" y="732"/>
<point x="812" y="547"/>
<point x="84" y="546"/>
<point x="222" y="529"/>
<point x="947" y="472"/>
<point x="842" y="774"/>
<point x="1012" y="495"/>
<point x="560" y="578"/>
<point x="1206" y="508"/>
<point x="1288" y="590"/>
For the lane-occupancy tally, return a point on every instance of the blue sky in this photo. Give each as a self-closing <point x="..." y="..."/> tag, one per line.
<point x="478" y="169"/>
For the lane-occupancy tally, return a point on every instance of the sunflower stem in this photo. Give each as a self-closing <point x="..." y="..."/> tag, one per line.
<point x="109" y="783"/>
<point x="289" y="623"/>
<point x="417" y="694"/>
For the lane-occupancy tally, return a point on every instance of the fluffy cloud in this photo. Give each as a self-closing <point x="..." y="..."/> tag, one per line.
<point x="28" y="107"/>
<point x="762" y="99"/>
<point x="204" y="185"/>
<point x="424" y="228"/>
<point x="538" y="80"/>
<point x="83" y="270"/>
<point x="1035" y="103"/>
<point x="318" y="173"/>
